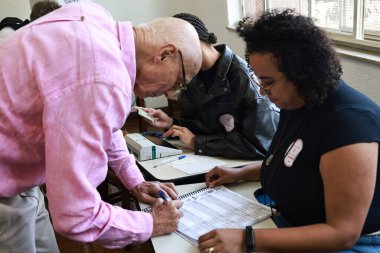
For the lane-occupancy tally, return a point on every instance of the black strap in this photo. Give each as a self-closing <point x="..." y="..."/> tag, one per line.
<point x="249" y="238"/>
<point x="12" y="22"/>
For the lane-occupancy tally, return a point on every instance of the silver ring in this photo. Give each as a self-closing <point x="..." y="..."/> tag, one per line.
<point x="210" y="250"/>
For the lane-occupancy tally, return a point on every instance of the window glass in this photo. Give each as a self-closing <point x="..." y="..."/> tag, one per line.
<point x="336" y="16"/>
<point x="372" y="19"/>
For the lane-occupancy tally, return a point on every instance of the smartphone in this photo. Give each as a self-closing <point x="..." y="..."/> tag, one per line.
<point x="145" y="115"/>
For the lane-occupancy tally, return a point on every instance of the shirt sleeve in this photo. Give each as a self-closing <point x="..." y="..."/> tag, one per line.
<point x="249" y="140"/>
<point x="81" y="137"/>
<point x="350" y="126"/>
<point x="123" y="163"/>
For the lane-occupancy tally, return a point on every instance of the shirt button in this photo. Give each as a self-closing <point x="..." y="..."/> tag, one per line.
<point x="200" y="151"/>
<point x="225" y="89"/>
<point x="211" y="95"/>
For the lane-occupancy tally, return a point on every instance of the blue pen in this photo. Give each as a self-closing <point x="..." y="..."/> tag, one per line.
<point x="170" y="160"/>
<point x="162" y="195"/>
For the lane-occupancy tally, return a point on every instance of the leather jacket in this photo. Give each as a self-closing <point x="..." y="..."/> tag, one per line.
<point x="232" y="93"/>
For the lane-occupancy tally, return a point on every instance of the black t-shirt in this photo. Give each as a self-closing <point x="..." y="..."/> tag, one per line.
<point x="295" y="183"/>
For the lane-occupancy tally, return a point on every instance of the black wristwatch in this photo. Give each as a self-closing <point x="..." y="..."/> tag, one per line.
<point x="249" y="238"/>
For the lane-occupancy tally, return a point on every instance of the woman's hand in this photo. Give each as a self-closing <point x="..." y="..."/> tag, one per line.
<point x="222" y="175"/>
<point x="161" y="119"/>
<point x="222" y="240"/>
<point x="184" y="134"/>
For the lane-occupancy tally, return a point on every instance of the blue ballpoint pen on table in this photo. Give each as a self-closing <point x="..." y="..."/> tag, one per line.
<point x="170" y="160"/>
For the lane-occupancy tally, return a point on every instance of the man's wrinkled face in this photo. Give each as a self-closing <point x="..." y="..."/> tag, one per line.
<point x="155" y="80"/>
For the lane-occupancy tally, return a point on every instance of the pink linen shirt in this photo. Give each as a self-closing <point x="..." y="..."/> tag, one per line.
<point x="66" y="86"/>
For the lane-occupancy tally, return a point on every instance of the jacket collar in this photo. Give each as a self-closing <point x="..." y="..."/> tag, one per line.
<point x="221" y="86"/>
<point x="224" y="63"/>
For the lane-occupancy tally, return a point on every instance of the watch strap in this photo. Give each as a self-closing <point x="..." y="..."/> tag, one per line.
<point x="249" y="239"/>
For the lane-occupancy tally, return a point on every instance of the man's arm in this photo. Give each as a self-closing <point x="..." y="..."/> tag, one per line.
<point x="79" y="128"/>
<point x="123" y="163"/>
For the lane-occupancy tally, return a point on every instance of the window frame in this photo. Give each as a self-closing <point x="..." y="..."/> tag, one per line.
<point x="356" y="40"/>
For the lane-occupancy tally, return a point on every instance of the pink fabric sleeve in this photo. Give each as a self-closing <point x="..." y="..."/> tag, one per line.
<point x="82" y="136"/>
<point x="123" y="163"/>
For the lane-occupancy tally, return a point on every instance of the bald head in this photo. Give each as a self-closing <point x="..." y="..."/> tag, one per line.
<point x="162" y="39"/>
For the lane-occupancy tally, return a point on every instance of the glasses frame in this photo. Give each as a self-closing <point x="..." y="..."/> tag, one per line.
<point x="266" y="88"/>
<point x="182" y="85"/>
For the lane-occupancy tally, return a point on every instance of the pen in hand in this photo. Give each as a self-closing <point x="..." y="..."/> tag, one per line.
<point x="170" y="160"/>
<point x="162" y="195"/>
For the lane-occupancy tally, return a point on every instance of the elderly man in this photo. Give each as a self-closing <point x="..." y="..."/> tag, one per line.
<point x="66" y="82"/>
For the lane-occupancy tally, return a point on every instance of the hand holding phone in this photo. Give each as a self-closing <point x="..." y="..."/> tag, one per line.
<point x="145" y="115"/>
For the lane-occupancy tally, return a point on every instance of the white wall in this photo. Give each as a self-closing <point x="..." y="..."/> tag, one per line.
<point x="14" y="8"/>
<point x="362" y="75"/>
<point x="213" y="13"/>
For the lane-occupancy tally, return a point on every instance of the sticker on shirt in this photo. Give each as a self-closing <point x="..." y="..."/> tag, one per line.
<point x="227" y="121"/>
<point x="292" y="152"/>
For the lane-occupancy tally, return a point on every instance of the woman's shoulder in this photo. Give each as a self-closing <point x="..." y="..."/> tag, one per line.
<point x="347" y="98"/>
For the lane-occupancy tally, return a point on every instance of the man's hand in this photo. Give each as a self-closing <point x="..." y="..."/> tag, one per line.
<point x="149" y="191"/>
<point x="166" y="216"/>
<point x="184" y="134"/>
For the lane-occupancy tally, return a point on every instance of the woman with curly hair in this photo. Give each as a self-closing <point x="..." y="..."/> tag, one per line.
<point x="321" y="169"/>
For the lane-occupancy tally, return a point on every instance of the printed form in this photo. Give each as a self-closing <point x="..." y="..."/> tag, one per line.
<point x="208" y="209"/>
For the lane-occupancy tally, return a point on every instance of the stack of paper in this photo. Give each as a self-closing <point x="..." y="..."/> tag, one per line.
<point x="209" y="209"/>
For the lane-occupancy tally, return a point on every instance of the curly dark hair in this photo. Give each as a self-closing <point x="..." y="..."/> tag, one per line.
<point x="302" y="51"/>
<point x="42" y="8"/>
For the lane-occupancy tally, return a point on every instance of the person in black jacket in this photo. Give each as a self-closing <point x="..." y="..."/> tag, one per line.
<point x="222" y="112"/>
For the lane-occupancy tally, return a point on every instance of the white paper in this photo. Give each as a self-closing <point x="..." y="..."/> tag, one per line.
<point x="210" y="209"/>
<point x="195" y="164"/>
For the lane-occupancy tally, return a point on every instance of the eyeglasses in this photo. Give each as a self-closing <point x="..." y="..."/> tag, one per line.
<point x="265" y="86"/>
<point x="181" y="85"/>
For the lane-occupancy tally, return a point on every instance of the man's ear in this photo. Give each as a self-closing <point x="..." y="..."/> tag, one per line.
<point x="165" y="52"/>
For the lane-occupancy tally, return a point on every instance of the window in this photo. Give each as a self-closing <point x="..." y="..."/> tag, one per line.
<point x="354" y="23"/>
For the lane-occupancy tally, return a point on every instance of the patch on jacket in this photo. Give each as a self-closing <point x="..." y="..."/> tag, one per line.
<point x="227" y="121"/>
